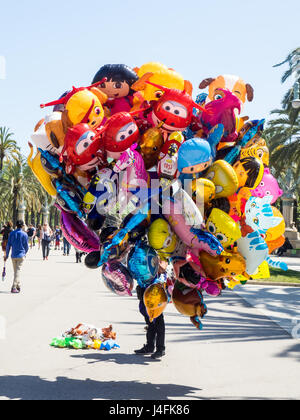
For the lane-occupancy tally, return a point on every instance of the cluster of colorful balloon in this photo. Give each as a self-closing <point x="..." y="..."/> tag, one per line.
<point x="160" y="189"/>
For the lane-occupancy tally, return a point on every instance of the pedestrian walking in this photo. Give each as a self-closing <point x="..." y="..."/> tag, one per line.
<point x="31" y="232"/>
<point x="5" y="232"/>
<point x="46" y="238"/>
<point x="79" y="256"/>
<point x="67" y="247"/>
<point x="58" y="235"/>
<point x="18" y="245"/>
<point x="38" y="235"/>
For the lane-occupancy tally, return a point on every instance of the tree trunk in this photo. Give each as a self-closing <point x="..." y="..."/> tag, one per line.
<point x="15" y="211"/>
<point x="32" y="218"/>
<point x="57" y="218"/>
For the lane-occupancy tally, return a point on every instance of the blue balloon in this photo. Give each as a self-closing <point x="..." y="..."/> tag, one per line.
<point x="143" y="264"/>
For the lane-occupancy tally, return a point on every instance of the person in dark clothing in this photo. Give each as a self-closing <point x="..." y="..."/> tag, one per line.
<point x="46" y="238"/>
<point x="58" y="235"/>
<point x="285" y="247"/>
<point x="67" y="247"/>
<point x="156" y="331"/>
<point x="79" y="255"/>
<point x="5" y="232"/>
<point x="31" y="232"/>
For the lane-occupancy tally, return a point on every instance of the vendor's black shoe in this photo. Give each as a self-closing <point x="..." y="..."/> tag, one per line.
<point x="158" y="354"/>
<point x="145" y="350"/>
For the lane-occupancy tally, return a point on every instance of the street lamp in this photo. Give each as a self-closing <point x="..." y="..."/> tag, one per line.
<point x="21" y="206"/>
<point x="21" y="210"/>
<point x="296" y="100"/>
<point x="45" y="211"/>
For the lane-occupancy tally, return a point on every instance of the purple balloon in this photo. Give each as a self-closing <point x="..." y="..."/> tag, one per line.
<point x="78" y="234"/>
<point x="117" y="278"/>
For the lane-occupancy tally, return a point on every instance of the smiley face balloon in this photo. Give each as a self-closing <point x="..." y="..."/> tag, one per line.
<point x="225" y="229"/>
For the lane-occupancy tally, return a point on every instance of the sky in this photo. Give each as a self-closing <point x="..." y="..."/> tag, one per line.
<point x="47" y="47"/>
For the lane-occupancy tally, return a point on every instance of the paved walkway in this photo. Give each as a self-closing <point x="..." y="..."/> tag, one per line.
<point x="241" y="353"/>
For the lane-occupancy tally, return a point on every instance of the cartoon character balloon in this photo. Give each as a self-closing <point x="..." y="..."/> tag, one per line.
<point x="119" y="134"/>
<point x="268" y="187"/>
<point x="225" y="229"/>
<point x="83" y="149"/>
<point x="143" y="264"/>
<point x="174" y="110"/>
<point x="224" y="178"/>
<point x="81" y="105"/>
<point x="162" y="238"/>
<point x="227" y="265"/>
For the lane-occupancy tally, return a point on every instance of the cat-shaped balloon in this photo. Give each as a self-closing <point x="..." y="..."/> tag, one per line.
<point x="258" y="218"/>
<point x="259" y="214"/>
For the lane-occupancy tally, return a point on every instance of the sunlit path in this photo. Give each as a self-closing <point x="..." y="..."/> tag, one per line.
<point x="241" y="353"/>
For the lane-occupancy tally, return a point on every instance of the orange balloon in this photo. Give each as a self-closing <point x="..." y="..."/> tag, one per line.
<point x="277" y="231"/>
<point x="277" y="243"/>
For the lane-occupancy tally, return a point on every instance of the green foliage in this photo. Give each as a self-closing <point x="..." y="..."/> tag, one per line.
<point x="9" y="149"/>
<point x="283" y="131"/>
<point x="18" y="184"/>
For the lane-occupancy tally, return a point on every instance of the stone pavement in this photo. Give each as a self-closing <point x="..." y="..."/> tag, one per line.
<point x="240" y="354"/>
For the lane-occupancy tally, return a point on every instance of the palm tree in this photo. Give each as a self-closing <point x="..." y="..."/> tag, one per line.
<point x="8" y="147"/>
<point x="293" y="59"/>
<point x="17" y="184"/>
<point x="283" y="137"/>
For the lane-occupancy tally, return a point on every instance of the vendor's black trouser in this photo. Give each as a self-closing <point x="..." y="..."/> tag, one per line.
<point x="156" y="331"/>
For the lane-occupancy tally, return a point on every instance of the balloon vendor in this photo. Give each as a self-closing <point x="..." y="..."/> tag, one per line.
<point x="168" y="195"/>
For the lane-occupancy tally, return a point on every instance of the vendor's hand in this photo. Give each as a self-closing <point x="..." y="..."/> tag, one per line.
<point x="5" y="258"/>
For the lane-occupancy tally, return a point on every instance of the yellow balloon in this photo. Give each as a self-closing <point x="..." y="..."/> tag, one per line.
<point x="227" y="265"/>
<point x="223" y="227"/>
<point x="203" y="190"/>
<point x="162" y="238"/>
<point x="85" y="105"/>
<point x="224" y="177"/>
<point x="260" y="152"/>
<point x="97" y="344"/>
<point x="157" y="73"/>
<point x="40" y="173"/>
<point x="155" y="300"/>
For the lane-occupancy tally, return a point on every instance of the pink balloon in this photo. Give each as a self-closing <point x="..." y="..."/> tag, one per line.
<point x="173" y="213"/>
<point x="268" y="186"/>
<point x="78" y="234"/>
<point x="117" y="278"/>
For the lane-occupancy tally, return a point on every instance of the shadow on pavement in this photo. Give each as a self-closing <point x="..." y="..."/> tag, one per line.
<point x="291" y="352"/>
<point x="229" y="319"/>
<point x="36" y="388"/>
<point x="118" y="358"/>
